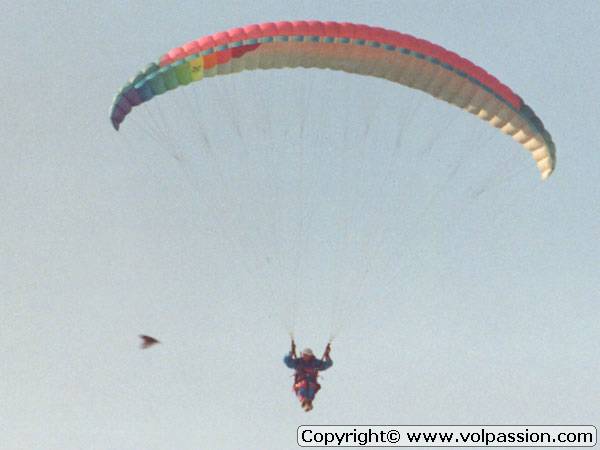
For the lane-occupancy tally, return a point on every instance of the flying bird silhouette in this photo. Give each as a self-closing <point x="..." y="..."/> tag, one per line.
<point x="148" y="341"/>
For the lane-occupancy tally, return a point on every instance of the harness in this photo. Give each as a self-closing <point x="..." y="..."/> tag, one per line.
<point x="306" y="373"/>
<point x="305" y="376"/>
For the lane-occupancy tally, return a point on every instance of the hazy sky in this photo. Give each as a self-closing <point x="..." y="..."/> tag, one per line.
<point x="460" y="288"/>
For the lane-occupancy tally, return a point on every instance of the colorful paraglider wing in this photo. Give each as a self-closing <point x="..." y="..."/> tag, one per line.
<point x="352" y="48"/>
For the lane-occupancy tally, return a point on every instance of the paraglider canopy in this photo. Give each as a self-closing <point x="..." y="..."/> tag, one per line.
<point x="352" y="48"/>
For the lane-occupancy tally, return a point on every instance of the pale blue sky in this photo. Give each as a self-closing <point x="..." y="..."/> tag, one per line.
<point x="482" y="300"/>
